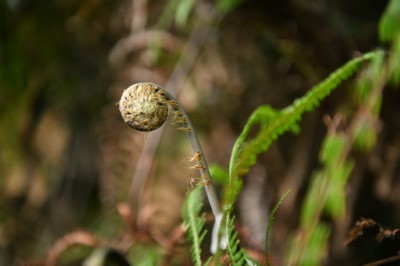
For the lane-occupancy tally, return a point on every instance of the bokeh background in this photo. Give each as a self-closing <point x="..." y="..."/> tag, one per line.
<point x="67" y="160"/>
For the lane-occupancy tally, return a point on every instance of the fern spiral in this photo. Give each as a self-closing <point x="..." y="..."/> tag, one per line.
<point x="145" y="107"/>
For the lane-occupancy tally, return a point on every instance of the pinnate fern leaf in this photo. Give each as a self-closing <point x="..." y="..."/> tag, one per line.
<point x="237" y="255"/>
<point x="274" y="123"/>
<point x="270" y="223"/>
<point x="195" y="222"/>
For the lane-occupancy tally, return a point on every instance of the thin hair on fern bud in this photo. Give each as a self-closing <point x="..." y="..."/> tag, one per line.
<point x="198" y="166"/>
<point x="179" y="120"/>
<point x="195" y="158"/>
<point x="171" y="102"/>
<point x="186" y="129"/>
<point x="197" y="181"/>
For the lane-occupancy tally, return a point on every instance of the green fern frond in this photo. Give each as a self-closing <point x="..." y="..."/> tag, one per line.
<point x="195" y="222"/>
<point x="273" y="123"/>
<point x="236" y="254"/>
<point x="262" y="115"/>
<point x="251" y="262"/>
<point x="271" y="221"/>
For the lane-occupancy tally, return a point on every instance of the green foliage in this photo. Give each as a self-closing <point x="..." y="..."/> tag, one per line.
<point x="182" y="12"/>
<point x="327" y="190"/>
<point x="271" y="221"/>
<point x="178" y="10"/>
<point x="389" y="31"/>
<point x="313" y="253"/>
<point x="144" y="255"/>
<point x="365" y="134"/>
<point x="318" y="245"/>
<point x="274" y="123"/>
<point x="151" y="258"/>
<point x="219" y="174"/>
<point x="263" y="116"/>
<point x="195" y="222"/>
<point x="169" y="13"/>
<point x="236" y="254"/>
<point x="225" y="6"/>
<point x="24" y="88"/>
<point x="311" y="205"/>
<point x="369" y="95"/>
<point x="335" y="175"/>
<point x="389" y="26"/>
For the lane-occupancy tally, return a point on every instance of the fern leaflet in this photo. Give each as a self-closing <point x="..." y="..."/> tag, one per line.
<point x="195" y="223"/>
<point x="271" y="221"/>
<point x="237" y="255"/>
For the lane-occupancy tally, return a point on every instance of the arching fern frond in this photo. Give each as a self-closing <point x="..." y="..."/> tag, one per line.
<point x="274" y="123"/>
<point x="195" y="222"/>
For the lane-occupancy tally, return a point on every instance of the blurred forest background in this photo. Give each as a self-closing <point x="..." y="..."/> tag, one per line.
<point x="68" y="162"/>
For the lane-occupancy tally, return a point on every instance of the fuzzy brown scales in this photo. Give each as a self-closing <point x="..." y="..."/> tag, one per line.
<point x="144" y="106"/>
<point x="198" y="166"/>
<point x="366" y="223"/>
<point x="195" y="157"/>
<point x="196" y="181"/>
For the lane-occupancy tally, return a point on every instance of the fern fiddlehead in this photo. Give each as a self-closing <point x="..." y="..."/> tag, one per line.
<point x="145" y="107"/>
